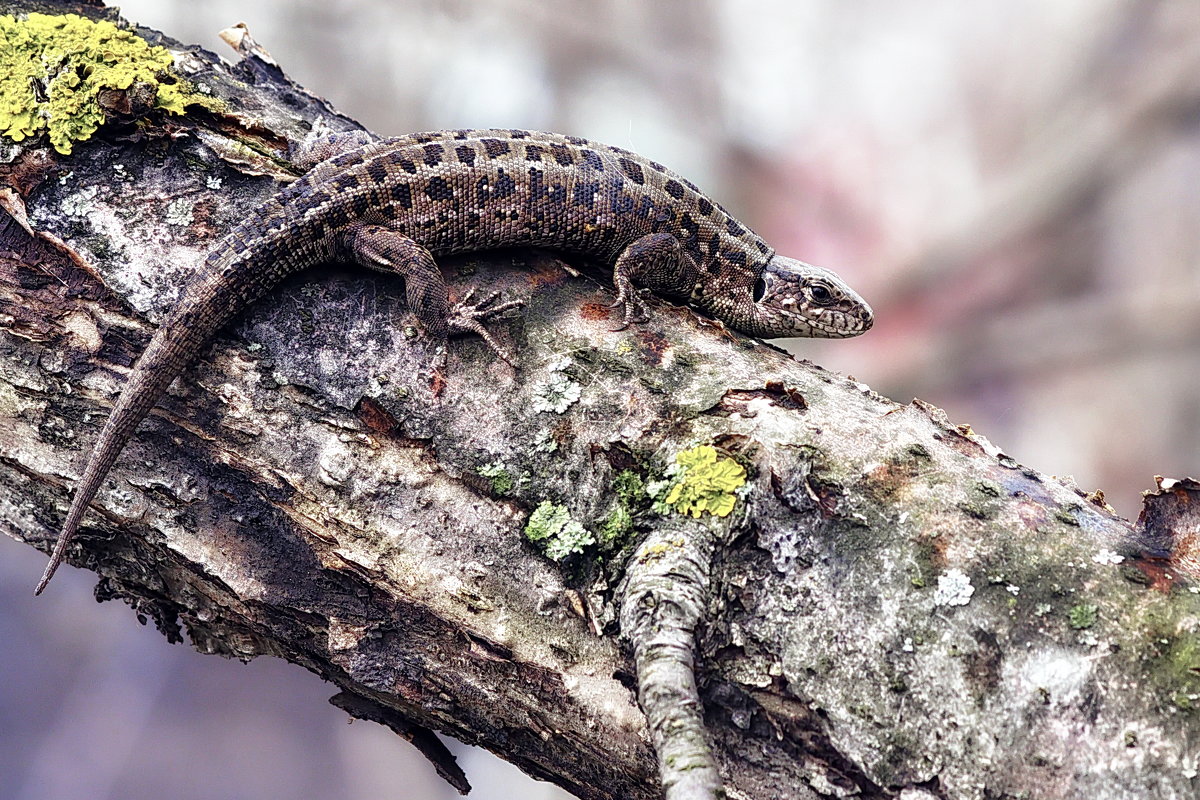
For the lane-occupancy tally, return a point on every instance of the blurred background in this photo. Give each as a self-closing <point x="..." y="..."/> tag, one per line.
<point x="1013" y="184"/>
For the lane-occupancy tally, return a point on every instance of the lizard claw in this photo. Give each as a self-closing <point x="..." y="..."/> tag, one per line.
<point x="632" y="309"/>
<point x="467" y="317"/>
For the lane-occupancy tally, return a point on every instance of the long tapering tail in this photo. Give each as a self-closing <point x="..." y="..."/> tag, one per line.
<point x="206" y="306"/>
<point x="149" y="379"/>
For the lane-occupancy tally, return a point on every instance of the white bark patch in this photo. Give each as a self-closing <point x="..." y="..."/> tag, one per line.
<point x="1053" y="675"/>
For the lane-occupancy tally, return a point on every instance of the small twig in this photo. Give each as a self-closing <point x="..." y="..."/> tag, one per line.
<point x="663" y="596"/>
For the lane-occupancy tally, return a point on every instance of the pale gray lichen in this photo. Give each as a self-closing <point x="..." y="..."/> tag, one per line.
<point x="557" y="395"/>
<point x="545" y="442"/>
<point x="953" y="589"/>
<point x="79" y="203"/>
<point x="179" y="212"/>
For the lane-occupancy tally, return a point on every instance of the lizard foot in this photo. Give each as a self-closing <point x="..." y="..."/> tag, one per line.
<point x="467" y="317"/>
<point x="632" y="307"/>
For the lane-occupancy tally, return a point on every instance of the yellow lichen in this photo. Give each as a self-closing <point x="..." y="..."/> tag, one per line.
<point x="53" y="69"/>
<point x="706" y="483"/>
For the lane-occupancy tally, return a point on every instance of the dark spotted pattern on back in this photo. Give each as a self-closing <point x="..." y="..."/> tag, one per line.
<point x="562" y="155"/>
<point x="403" y="196"/>
<point x="438" y="189"/>
<point x="586" y="194"/>
<point x="468" y="189"/>
<point x="633" y="170"/>
<point x="505" y="186"/>
<point x="398" y="204"/>
<point x="433" y="154"/>
<point x="377" y="171"/>
<point x="495" y="147"/>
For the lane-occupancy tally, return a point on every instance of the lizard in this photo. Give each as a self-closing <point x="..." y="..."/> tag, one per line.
<point x="395" y="204"/>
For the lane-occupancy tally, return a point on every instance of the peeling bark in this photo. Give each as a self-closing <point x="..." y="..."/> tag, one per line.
<point x="895" y="608"/>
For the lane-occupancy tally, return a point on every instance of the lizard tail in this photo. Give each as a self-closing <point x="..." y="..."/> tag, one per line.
<point x="155" y="370"/>
<point x="173" y="347"/>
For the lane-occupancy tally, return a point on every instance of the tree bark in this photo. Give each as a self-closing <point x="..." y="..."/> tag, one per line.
<point x="895" y="608"/>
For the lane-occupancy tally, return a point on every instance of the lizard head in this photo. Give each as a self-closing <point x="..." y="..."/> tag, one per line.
<point x="792" y="298"/>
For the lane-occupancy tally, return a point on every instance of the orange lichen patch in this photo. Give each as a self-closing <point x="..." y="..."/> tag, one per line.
<point x="938" y="539"/>
<point x="1157" y="571"/>
<point x="544" y="269"/>
<point x="786" y="396"/>
<point x="437" y="383"/>
<point x="595" y="311"/>
<point x="1186" y="557"/>
<point x="898" y="471"/>
<point x="376" y="417"/>
<point x="654" y="345"/>
<point x="824" y="495"/>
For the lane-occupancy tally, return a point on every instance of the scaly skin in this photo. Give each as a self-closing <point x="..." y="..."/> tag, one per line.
<point x="394" y="204"/>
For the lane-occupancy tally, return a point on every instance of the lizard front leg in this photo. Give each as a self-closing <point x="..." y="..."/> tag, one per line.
<point x="381" y="248"/>
<point x="655" y="261"/>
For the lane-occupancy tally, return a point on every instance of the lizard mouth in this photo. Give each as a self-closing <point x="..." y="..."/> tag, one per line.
<point x="829" y="323"/>
<point x="799" y="299"/>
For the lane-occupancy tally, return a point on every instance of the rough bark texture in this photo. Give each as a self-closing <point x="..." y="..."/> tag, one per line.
<point x="896" y="609"/>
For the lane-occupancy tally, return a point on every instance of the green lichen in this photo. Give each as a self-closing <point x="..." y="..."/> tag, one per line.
<point x="1083" y="616"/>
<point x="501" y="478"/>
<point x="919" y="451"/>
<point x="705" y="482"/>
<point x="630" y="498"/>
<point x="630" y="488"/>
<point x="53" y="69"/>
<point x="551" y="528"/>
<point x="556" y="395"/>
<point x="616" y="526"/>
<point x="987" y="489"/>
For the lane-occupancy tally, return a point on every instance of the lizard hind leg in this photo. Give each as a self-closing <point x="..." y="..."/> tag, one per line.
<point x="655" y="261"/>
<point x="384" y="249"/>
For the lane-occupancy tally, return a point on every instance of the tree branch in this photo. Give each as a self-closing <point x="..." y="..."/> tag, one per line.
<point x="895" y="608"/>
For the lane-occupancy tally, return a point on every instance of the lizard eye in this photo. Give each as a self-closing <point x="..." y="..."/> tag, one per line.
<point x="820" y="294"/>
<point x="760" y="288"/>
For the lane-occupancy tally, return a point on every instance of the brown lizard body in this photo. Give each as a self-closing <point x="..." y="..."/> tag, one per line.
<point x="394" y="204"/>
